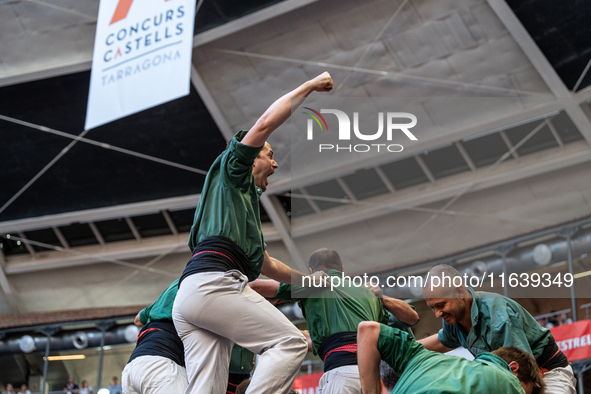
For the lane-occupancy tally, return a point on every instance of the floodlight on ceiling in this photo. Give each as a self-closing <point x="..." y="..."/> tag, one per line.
<point x="68" y="357"/>
<point x="27" y="344"/>
<point x="542" y="254"/>
<point x="80" y="340"/>
<point x="131" y="333"/>
<point x="478" y="268"/>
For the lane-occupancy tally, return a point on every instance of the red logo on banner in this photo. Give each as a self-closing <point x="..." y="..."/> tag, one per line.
<point x="122" y="10"/>
<point x="308" y="384"/>
<point x="574" y="339"/>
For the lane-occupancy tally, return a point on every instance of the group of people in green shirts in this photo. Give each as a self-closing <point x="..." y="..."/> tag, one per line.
<point x="201" y="334"/>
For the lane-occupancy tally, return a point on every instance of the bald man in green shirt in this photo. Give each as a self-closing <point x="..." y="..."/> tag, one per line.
<point x="333" y="314"/>
<point x="482" y="322"/>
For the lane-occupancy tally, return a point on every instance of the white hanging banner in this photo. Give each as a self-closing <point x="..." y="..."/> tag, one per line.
<point x="142" y="57"/>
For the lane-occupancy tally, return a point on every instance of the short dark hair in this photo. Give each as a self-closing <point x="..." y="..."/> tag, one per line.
<point x="325" y="259"/>
<point x="528" y="368"/>
<point x="388" y="376"/>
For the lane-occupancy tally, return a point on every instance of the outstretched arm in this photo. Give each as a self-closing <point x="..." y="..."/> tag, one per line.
<point x="280" y="110"/>
<point x="279" y="271"/>
<point x="400" y="309"/>
<point x="433" y="343"/>
<point x="266" y="287"/>
<point x="368" y="357"/>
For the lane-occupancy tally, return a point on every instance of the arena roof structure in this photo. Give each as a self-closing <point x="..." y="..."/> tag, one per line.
<point x="101" y="219"/>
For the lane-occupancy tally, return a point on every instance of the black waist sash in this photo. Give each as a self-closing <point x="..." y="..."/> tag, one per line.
<point x="216" y="254"/>
<point x="159" y="338"/>
<point x="552" y="357"/>
<point x="338" y="350"/>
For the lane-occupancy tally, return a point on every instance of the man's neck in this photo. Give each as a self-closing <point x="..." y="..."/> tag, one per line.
<point x="466" y="320"/>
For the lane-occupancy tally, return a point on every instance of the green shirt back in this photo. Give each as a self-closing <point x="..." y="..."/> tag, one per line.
<point x="242" y="360"/>
<point x="497" y="321"/>
<point x="161" y="309"/>
<point x="229" y="204"/>
<point x="423" y="371"/>
<point x="329" y="312"/>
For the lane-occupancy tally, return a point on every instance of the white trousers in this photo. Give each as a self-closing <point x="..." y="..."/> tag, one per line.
<point x="153" y="375"/>
<point x="214" y="310"/>
<point x="341" y="380"/>
<point x="560" y="381"/>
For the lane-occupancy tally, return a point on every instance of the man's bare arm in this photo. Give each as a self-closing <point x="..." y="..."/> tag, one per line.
<point x="268" y="288"/>
<point x="279" y="271"/>
<point x="400" y="309"/>
<point x="432" y="343"/>
<point x="137" y="321"/>
<point x="368" y="357"/>
<point x="280" y="110"/>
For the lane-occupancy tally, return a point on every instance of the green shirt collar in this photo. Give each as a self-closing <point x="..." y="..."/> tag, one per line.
<point x="333" y="272"/>
<point x="489" y="358"/>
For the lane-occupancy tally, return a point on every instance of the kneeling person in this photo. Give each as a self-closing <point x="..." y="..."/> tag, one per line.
<point x="507" y="370"/>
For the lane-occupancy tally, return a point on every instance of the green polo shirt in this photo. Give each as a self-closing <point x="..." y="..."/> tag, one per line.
<point x="242" y="361"/>
<point x="229" y="204"/>
<point x="161" y="309"/>
<point x="497" y="321"/>
<point x="330" y="312"/>
<point x="423" y="371"/>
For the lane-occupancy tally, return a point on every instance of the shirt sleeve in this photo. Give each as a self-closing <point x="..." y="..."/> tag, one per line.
<point x="507" y="330"/>
<point x="237" y="161"/>
<point x="393" y="322"/>
<point x="294" y="293"/>
<point x="284" y="293"/>
<point x="448" y="338"/>
<point x="397" y="347"/>
<point x="145" y="314"/>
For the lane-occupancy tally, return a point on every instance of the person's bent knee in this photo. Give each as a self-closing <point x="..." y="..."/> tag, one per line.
<point x="368" y="328"/>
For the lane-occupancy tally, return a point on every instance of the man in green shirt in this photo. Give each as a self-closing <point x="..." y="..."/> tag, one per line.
<point x="215" y="307"/>
<point x="504" y="371"/>
<point x="333" y="315"/>
<point x="158" y="344"/>
<point x="483" y="322"/>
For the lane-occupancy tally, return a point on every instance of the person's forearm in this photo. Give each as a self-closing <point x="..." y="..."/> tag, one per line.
<point x="368" y="357"/>
<point x="279" y="271"/>
<point x="401" y="310"/>
<point x="432" y="343"/>
<point x="281" y="109"/>
<point x="265" y="287"/>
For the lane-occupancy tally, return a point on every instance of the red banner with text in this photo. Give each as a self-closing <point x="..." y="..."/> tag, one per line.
<point x="308" y="384"/>
<point x="574" y="339"/>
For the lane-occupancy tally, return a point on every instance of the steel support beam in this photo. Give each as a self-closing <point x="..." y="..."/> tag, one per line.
<point x="542" y="65"/>
<point x="97" y="254"/>
<point x="94" y="215"/>
<point x="212" y="106"/>
<point x="13" y="301"/>
<point x="518" y="117"/>
<point x="572" y="154"/>
<point x="249" y="21"/>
